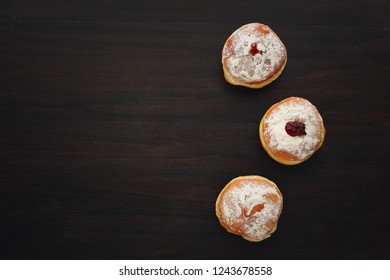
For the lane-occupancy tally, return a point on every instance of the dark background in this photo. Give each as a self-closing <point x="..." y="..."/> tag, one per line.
<point x="118" y="130"/>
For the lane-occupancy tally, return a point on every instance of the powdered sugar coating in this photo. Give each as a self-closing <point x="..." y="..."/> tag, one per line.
<point x="243" y="65"/>
<point x="293" y="109"/>
<point x="241" y="197"/>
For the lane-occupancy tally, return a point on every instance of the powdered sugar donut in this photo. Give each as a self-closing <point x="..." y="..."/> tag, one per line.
<point x="250" y="206"/>
<point x="292" y="130"/>
<point x="253" y="56"/>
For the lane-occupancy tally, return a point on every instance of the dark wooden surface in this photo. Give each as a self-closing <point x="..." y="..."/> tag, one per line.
<point x="118" y="129"/>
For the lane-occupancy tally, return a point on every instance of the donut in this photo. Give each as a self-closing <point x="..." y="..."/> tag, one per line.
<point x="250" y="206"/>
<point x="292" y="130"/>
<point x="253" y="56"/>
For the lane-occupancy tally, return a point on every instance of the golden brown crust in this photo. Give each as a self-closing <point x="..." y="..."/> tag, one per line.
<point x="230" y="79"/>
<point x="240" y="193"/>
<point x="282" y="155"/>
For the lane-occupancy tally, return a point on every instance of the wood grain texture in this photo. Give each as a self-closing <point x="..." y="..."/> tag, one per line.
<point x="118" y="130"/>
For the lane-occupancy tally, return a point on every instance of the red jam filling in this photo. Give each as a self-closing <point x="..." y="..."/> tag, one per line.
<point x="295" y="128"/>
<point x="254" y="50"/>
<point x="256" y="208"/>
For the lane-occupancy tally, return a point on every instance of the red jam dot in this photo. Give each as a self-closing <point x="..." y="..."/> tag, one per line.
<point x="295" y="128"/>
<point x="256" y="208"/>
<point x="254" y="49"/>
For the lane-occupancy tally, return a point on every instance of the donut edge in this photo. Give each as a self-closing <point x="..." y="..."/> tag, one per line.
<point x="233" y="81"/>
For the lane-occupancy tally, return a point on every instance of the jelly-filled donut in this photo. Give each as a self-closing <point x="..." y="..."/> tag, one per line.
<point x="292" y="130"/>
<point x="253" y="56"/>
<point x="250" y="206"/>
